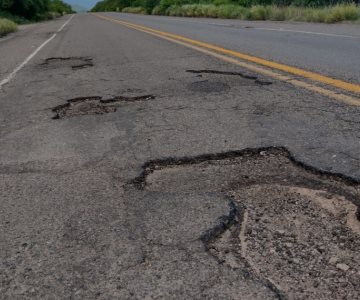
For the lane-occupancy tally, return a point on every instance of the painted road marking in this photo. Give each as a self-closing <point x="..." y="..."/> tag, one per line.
<point x="31" y="56"/>
<point x="306" y="32"/>
<point x="204" y="47"/>
<point x="233" y="26"/>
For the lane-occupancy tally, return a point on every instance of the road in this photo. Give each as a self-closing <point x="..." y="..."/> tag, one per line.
<point x="332" y="50"/>
<point x="180" y="168"/>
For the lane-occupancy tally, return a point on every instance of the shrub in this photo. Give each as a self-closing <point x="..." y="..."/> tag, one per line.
<point x="349" y="12"/>
<point x="277" y="13"/>
<point x="232" y="12"/>
<point x="260" y="12"/>
<point x="7" y="26"/>
<point x="134" y="10"/>
<point x="343" y="13"/>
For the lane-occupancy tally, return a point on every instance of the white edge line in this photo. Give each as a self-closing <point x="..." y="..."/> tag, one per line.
<point x="26" y="61"/>
<point x="306" y="32"/>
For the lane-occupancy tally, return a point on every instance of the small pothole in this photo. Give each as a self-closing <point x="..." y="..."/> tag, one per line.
<point x="93" y="105"/>
<point x="74" y="63"/>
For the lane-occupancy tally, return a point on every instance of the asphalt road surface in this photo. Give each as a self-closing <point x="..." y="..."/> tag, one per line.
<point x="146" y="157"/>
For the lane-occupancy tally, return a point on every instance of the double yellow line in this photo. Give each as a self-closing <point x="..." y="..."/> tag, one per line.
<point x="257" y="64"/>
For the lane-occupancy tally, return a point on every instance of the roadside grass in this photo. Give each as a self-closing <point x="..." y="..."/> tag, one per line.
<point x="7" y="26"/>
<point x="134" y="10"/>
<point x="331" y="14"/>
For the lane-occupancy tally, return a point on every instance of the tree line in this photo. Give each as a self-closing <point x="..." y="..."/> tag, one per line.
<point x="34" y="9"/>
<point x="148" y="5"/>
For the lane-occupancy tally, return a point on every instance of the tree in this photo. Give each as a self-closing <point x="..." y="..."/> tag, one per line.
<point x="34" y="9"/>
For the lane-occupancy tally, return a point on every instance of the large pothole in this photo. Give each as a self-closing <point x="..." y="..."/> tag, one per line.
<point x="93" y="105"/>
<point x="297" y="227"/>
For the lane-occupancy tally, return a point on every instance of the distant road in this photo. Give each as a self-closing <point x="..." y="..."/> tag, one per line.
<point x="333" y="50"/>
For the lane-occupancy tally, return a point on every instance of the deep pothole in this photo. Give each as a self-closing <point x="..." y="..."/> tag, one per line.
<point x="297" y="228"/>
<point x="250" y="78"/>
<point x="93" y="105"/>
<point x="75" y="63"/>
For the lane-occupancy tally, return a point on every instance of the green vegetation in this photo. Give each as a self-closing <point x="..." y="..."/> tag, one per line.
<point x="7" y="26"/>
<point x="134" y="10"/>
<point x="326" y="11"/>
<point x="333" y="14"/>
<point x="22" y="11"/>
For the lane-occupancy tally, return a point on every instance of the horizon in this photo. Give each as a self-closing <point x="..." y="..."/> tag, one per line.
<point x="83" y="3"/>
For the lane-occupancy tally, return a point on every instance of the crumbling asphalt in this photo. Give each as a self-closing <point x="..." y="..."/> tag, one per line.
<point x="211" y="187"/>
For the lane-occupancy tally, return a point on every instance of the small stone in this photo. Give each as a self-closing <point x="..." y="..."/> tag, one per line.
<point x="343" y="267"/>
<point x="333" y="260"/>
<point x="288" y="245"/>
<point x="296" y="261"/>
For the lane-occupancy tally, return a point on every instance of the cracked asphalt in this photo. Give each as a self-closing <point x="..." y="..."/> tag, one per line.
<point x="154" y="196"/>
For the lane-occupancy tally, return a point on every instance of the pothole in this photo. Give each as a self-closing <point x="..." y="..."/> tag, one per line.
<point x="93" y="105"/>
<point x="298" y="228"/>
<point x="74" y="63"/>
<point x="255" y="79"/>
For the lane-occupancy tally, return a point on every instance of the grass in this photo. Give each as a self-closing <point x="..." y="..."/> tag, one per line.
<point x="333" y="14"/>
<point x="134" y="10"/>
<point x="7" y="26"/>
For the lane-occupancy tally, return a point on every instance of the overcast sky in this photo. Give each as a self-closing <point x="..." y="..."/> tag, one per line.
<point x="84" y="3"/>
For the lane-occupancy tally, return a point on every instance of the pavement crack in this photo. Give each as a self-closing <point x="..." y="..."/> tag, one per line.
<point x="242" y="75"/>
<point x="82" y="66"/>
<point x="128" y="99"/>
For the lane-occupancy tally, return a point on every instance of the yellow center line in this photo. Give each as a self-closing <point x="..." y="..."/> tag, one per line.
<point x="202" y="46"/>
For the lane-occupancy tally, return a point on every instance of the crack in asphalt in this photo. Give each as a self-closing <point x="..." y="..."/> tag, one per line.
<point x="250" y="77"/>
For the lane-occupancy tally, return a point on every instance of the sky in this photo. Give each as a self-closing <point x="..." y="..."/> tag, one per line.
<point x="84" y="3"/>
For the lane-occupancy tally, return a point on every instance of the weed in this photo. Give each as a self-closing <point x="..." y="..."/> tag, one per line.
<point x="7" y="26"/>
